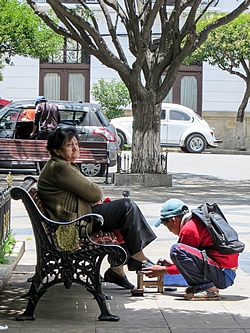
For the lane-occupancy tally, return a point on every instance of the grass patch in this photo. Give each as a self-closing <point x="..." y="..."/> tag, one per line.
<point x="6" y="248"/>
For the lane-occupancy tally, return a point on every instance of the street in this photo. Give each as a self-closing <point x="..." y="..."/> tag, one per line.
<point x="228" y="167"/>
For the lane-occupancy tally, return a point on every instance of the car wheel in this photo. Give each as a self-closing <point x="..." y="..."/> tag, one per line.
<point x="92" y="170"/>
<point x="121" y="138"/>
<point x="196" y="143"/>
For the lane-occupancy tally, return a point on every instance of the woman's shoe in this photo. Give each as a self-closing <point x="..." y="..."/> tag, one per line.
<point x="113" y="277"/>
<point x="135" y="265"/>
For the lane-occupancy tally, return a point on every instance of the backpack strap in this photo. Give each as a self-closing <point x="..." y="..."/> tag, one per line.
<point x="206" y="213"/>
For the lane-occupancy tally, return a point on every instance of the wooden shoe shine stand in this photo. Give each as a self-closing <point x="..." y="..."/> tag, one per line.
<point x="143" y="281"/>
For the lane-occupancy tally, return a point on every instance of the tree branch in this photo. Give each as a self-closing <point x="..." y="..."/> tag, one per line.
<point x="79" y="29"/>
<point x="55" y="27"/>
<point x="112" y="31"/>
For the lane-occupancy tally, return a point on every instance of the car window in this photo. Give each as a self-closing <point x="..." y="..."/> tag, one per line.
<point x="102" y="117"/>
<point x="3" y="110"/>
<point x="91" y="119"/>
<point x="178" y="115"/>
<point x="79" y="118"/>
<point x="69" y="117"/>
<point x="10" y="118"/>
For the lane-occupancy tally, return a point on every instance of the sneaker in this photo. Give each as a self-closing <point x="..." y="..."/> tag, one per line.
<point x="205" y="295"/>
<point x="3" y="327"/>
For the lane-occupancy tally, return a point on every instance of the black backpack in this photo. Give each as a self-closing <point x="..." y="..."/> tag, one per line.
<point x="224" y="237"/>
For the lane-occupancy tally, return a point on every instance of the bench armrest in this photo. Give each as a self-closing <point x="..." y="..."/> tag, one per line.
<point x="88" y="218"/>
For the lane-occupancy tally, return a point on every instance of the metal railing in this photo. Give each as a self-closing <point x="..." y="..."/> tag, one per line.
<point x="124" y="162"/>
<point x="5" y="209"/>
<point x="4" y="213"/>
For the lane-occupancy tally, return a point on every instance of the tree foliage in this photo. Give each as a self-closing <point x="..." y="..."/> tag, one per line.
<point x="113" y="97"/>
<point x="23" y="33"/>
<point x="228" y="47"/>
<point x="158" y="38"/>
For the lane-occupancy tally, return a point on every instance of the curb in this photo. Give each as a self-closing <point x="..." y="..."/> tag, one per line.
<point x="7" y="269"/>
<point x="226" y="151"/>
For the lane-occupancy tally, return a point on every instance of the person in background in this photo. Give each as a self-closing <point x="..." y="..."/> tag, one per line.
<point x="67" y="194"/>
<point x="205" y="271"/>
<point x="28" y="114"/>
<point x="47" y="118"/>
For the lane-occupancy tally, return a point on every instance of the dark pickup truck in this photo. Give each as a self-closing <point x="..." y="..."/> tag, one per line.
<point x="98" y="138"/>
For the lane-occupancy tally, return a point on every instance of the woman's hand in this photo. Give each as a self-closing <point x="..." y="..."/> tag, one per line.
<point x="99" y="202"/>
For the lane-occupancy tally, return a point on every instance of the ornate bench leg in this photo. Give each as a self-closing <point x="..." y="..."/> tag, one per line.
<point x="101" y="300"/>
<point x="105" y="314"/>
<point x="28" y="314"/>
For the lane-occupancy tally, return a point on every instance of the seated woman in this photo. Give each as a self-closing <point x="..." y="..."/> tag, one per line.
<point x="67" y="194"/>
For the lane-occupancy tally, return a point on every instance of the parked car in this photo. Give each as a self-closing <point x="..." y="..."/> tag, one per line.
<point x="90" y="121"/>
<point x="180" y="127"/>
<point x="3" y="102"/>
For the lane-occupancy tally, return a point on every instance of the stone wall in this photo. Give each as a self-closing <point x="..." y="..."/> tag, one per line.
<point x="224" y="124"/>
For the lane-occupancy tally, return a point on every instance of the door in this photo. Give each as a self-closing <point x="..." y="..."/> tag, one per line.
<point x="187" y="88"/>
<point x="66" y="75"/>
<point x="70" y="84"/>
<point x="178" y="122"/>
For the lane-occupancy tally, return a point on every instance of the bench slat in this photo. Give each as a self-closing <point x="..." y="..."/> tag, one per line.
<point x="35" y="151"/>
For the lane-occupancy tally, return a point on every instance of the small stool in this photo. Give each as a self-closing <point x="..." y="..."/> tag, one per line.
<point x="158" y="282"/>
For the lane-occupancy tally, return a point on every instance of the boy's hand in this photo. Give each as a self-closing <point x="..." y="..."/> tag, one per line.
<point x="154" y="271"/>
<point x="164" y="262"/>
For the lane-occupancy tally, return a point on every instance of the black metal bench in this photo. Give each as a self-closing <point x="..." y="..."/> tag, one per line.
<point x="54" y="266"/>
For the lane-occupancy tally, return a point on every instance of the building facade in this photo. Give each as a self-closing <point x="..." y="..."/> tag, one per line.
<point x="214" y="94"/>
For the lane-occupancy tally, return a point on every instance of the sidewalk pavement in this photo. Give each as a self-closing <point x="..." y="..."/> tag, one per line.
<point x="74" y="310"/>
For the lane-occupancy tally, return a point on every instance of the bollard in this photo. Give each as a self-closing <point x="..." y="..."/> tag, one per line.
<point x="106" y="181"/>
<point x="119" y="159"/>
<point x="164" y="163"/>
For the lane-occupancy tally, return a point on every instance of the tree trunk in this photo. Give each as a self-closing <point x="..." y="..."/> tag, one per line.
<point x="146" y="137"/>
<point x="240" y="136"/>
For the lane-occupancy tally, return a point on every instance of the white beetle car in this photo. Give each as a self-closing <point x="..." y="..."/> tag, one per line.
<point x="180" y="127"/>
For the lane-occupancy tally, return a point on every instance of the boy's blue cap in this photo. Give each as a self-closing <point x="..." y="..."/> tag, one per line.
<point x="172" y="207"/>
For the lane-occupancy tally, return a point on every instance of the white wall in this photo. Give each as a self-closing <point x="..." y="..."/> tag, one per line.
<point x="221" y="91"/>
<point x="228" y="5"/>
<point x="99" y="71"/>
<point x="21" y="80"/>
